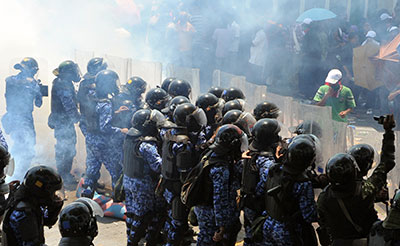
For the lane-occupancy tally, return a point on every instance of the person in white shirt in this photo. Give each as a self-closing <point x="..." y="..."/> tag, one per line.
<point x="258" y="56"/>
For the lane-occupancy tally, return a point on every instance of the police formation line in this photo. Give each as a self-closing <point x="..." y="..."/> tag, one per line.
<point x="173" y="162"/>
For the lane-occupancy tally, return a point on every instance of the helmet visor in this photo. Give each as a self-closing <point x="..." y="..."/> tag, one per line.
<point x="200" y="117"/>
<point x="247" y="121"/>
<point x="97" y="211"/>
<point x="157" y="117"/>
<point x="244" y="143"/>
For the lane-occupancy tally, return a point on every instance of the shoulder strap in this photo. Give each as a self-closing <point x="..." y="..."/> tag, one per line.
<point x="347" y="215"/>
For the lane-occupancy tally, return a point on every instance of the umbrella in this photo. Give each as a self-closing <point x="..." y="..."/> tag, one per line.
<point x="316" y="14"/>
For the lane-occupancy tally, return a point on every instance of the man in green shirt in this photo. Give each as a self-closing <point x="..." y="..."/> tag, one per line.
<point x="336" y="95"/>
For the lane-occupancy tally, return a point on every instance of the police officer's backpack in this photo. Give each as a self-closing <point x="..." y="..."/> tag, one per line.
<point x="197" y="188"/>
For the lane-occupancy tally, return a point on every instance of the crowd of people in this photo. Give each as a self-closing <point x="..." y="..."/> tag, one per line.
<point x="174" y="161"/>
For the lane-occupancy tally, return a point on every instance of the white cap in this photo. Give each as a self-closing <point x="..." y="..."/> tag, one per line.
<point x="393" y="28"/>
<point x="385" y="16"/>
<point x="333" y="76"/>
<point x="307" y="21"/>
<point x="370" y="34"/>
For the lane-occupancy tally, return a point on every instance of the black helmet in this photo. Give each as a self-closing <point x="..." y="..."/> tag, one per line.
<point x="28" y="64"/>
<point x="165" y="84"/>
<point x="243" y="120"/>
<point x="265" y="133"/>
<point x="147" y="121"/>
<point x="173" y="103"/>
<point x="4" y="158"/>
<point x="364" y="156"/>
<point x="230" y="139"/>
<point x="308" y="127"/>
<point x="96" y="65"/>
<point x="211" y="106"/>
<point x="179" y="87"/>
<point x="233" y="104"/>
<point x="136" y="85"/>
<point x="301" y="154"/>
<point x="232" y="93"/>
<point x="342" y="169"/>
<point x="189" y="116"/>
<point x="157" y="98"/>
<point x="217" y="91"/>
<point x="42" y="181"/>
<point x="78" y="219"/>
<point x="106" y="83"/>
<point x="266" y="110"/>
<point x="68" y="70"/>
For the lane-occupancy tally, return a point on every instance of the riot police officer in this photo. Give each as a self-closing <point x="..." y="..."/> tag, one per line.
<point x="308" y="127"/>
<point x="364" y="156"/>
<point x="180" y="87"/>
<point x="237" y="104"/>
<point x="78" y="223"/>
<point x="157" y="98"/>
<point x="289" y="197"/>
<point x="172" y="104"/>
<point x="101" y="133"/>
<point x="219" y="220"/>
<point x="31" y="207"/>
<point x="261" y="156"/>
<point x="128" y="101"/>
<point x="212" y="106"/>
<point x="142" y="167"/>
<point x="266" y="110"/>
<point x="86" y="92"/>
<point x="64" y="114"/>
<point x="166" y="82"/>
<point x="179" y="155"/>
<point x="216" y="90"/>
<point x="22" y="92"/>
<point x="346" y="207"/>
<point x="243" y="120"/>
<point x="232" y="93"/>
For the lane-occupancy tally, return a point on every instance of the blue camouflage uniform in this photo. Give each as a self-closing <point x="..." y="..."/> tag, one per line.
<point x="177" y="227"/>
<point x="140" y="199"/>
<point x="100" y="149"/>
<point x="62" y="119"/>
<point x="276" y="233"/>
<point x="263" y="163"/>
<point x="224" y="211"/>
<point x="21" y="93"/>
<point x="3" y="140"/>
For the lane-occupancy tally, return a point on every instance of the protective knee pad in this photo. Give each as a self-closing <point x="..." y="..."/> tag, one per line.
<point x="138" y="228"/>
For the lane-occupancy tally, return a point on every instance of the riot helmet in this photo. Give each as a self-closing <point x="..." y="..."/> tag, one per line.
<point x="78" y="219"/>
<point x="364" y="156"/>
<point x="212" y="106"/>
<point x="243" y="120"/>
<point x="265" y="133"/>
<point x="165" y="84"/>
<point x="157" y="98"/>
<point x="266" y="110"/>
<point x="147" y="121"/>
<point x="299" y="156"/>
<point x="42" y="181"/>
<point x="136" y="85"/>
<point x="173" y="103"/>
<point x="106" y="83"/>
<point x="96" y="65"/>
<point x="28" y="65"/>
<point x="69" y="71"/>
<point x="308" y="127"/>
<point x="230" y="140"/>
<point x="232" y="93"/>
<point x="342" y="169"/>
<point x="179" y="87"/>
<point x="189" y="116"/>
<point x="217" y="91"/>
<point x="317" y="145"/>
<point x="233" y="104"/>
